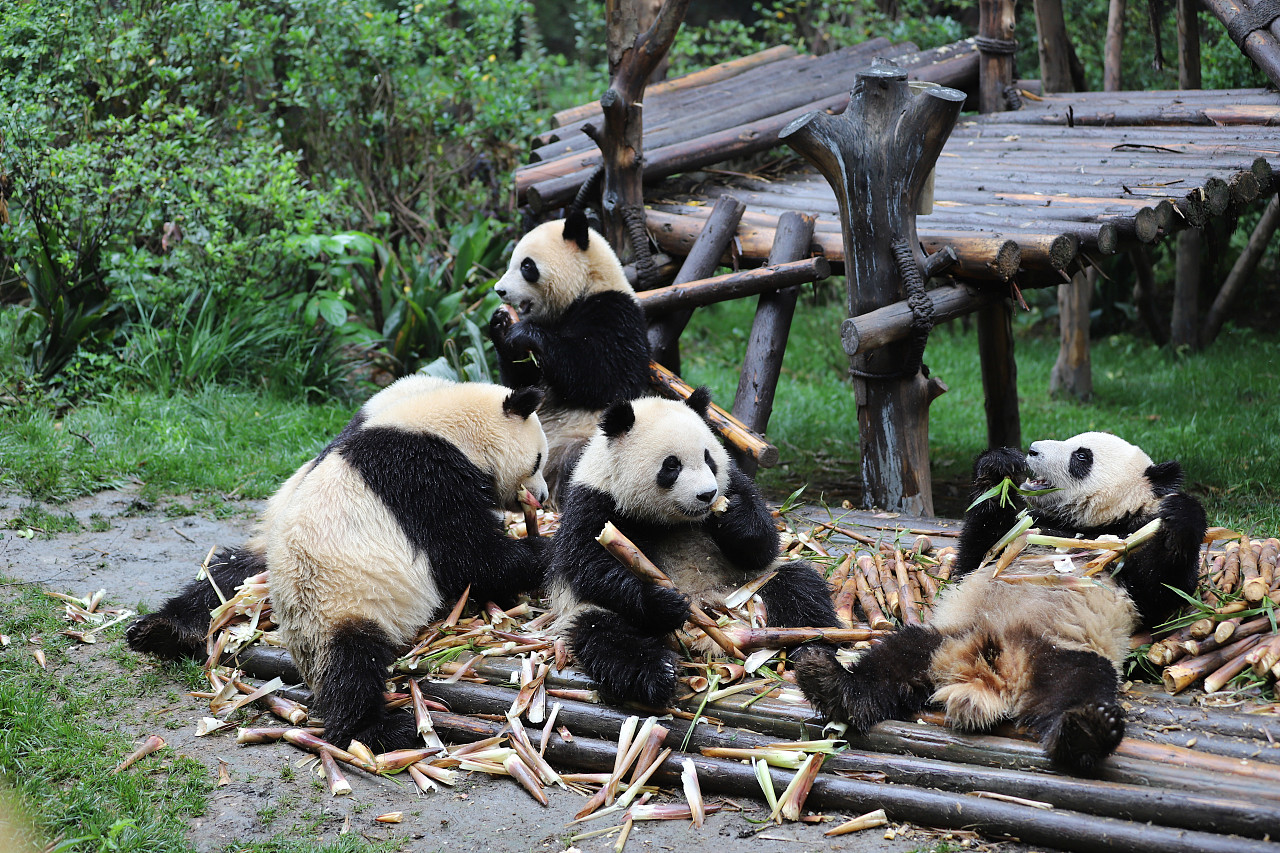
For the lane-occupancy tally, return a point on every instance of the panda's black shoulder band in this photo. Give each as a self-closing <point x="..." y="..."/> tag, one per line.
<point x="523" y="402"/>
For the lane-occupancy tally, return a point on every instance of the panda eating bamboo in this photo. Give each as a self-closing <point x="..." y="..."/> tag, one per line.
<point x="1027" y="646"/>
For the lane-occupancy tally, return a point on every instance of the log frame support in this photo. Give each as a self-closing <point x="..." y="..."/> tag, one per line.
<point x="877" y="155"/>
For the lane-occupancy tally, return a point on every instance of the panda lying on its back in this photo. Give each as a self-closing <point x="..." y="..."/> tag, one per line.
<point x="1046" y="657"/>
<point x="393" y="519"/>
<point x="656" y="470"/>
<point x="580" y="337"/>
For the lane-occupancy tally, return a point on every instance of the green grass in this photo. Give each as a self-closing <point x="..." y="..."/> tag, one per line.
<point x="233" y="442"/>
<point x="55" y="756"/>
<point x="1216" y="412"/>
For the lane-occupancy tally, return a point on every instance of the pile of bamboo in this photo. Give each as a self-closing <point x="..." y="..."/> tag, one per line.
<point x="1231" y="637"/>
<point x="517" y="709"/>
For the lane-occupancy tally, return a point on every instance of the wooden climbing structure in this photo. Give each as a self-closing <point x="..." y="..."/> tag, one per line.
<point x="1030" y="196"/>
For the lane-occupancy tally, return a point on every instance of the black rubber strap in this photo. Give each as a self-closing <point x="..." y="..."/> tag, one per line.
<point x="1256" y="17"/>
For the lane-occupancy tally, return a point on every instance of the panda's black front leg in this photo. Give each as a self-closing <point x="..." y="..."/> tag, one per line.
<point x="744" y="531"/>
<point x="798" y="596"/>
<point x="1073" y="708"/>
<point x="890" y="680"/>
<point x="627" y="663"/>
<point x="992" y="518"/>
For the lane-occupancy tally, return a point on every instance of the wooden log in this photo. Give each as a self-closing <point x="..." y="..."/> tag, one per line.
<point x="634" y="51"/>
<point x="1057" y="57"/>
<point x="892" y="323"/>
<point x="701" y="261"/>
<point x="999" y="374"/>
<point x="995" y="66"/>
<point x="664" y="271"/>
<point x="735" y="285"/>
<point x="770" y="328"/>
<point x="729" y="427"/>
<point x="706" y="76"/>
<point x="1241" y="271"/>
<point x="1261" y="45"/>
<point x="887" y="140"/>
<point x="1072" y="372"/>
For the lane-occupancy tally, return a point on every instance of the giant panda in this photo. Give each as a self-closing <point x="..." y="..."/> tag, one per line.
<point x="656" y="471"/>
<point x="581" y="335"/>
<point x="396" y="517"/>
<point x="1048" y="658"/>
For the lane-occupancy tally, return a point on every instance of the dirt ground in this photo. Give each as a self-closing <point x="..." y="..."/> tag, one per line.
<point x="140" y="554"/>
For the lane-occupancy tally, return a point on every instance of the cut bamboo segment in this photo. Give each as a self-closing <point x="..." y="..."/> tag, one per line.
<point x="870" y="820"/>
<point x="148" y="746"/>
<point x="1218" y="679"/>
<point x="1230" y="580"/>
<point x="1180" y="676"/>
<point x="871" y="608"/>
<point x="1254" y="586"/>
<point x="338" y="784"/>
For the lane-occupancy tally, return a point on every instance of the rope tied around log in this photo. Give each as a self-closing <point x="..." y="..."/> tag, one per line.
<point x="1256" y="17"/>
<point x="922" y="317"/>
<point x="996" y="47"/>
<point x="632" y="217"/>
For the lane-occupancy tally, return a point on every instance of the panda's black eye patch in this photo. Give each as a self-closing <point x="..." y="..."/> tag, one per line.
<point x="670" y="471"/>
<point x="711" y="463"/>
<point x="1081" y="463"/>
<point x="529" y="269"/>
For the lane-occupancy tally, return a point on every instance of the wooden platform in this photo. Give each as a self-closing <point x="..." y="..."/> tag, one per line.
<point x="1023" y="193"/>
<point x="1032" y="193"/>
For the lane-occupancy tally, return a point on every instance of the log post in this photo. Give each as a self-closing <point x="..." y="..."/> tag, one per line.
<point x="995" y="319"/>
<point x="753" y="404"/>
<point x="633" y="55"/>
<point x="996" y="47"/>
<point x="703" y="258"/>
<point x="1073" y="371"/>
<point x="1183" y="329"/>
<point x="877" y="155"/>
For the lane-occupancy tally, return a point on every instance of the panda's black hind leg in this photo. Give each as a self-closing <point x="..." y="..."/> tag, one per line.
<point x="349" y="693"/>
<point x="889" y="681"/>
<point x="178" y="628"/>
<point x="626" y="663"/>
<point x="1073" y="709"/>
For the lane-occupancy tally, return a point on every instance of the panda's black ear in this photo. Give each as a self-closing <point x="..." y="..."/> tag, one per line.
<point x="618" y="418"/>
<point x="576" y="228"/>
<point x="1165" y="478"/>
<point x="699" y="400"/>
<point x="523" y="402"/>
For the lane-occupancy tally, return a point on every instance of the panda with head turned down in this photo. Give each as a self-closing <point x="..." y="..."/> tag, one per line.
<point x="656" y="471"/>
<point x="581" y="334"/>
<point x="1048" y="658"/>
<point x="394" y="519"/>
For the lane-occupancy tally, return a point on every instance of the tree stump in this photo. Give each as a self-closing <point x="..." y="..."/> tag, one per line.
<point x="877" y="155"/>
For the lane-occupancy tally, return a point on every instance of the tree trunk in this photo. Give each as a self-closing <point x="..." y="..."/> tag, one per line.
<point x="1057" y="56"/>
<point x="633" y="55"/>
<point x="1242" y="271"/>
<point x="1183" y="327"/>
<point x="877" y="156"/>
<point x="1188" y="44"/>
<point x="1111" y="72"/>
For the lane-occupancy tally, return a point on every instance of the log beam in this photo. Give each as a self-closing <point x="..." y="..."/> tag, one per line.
<point x="877" y="156"/>
<point x="767" y="343"/>
<point x="735" y="285"/>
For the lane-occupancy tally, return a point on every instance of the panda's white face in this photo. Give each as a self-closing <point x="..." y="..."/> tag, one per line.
<point x="1100" y="478"/>
<point x="555" y="264"/>
<point x="667" y="467"/>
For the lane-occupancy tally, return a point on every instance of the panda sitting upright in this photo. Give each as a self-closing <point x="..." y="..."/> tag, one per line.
<point x="656" y="471"/>
<point x="580" y="337"/>
<point x="1047" y="657"/>
<point x="396" y="517"/>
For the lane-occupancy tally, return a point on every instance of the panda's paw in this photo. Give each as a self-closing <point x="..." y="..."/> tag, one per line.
<point x="665" y="610"/>
<point x="395" y="730"/>
<point x="500" y="322"/>
<point x="162" y="636"/>
<point x="994" y="465"/>
<point x="829" y="687"/>
<point x="647" y="675"/>
<point x="1084" y="736"/>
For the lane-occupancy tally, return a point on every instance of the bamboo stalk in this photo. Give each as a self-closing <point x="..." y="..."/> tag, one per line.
<point x="150" y="745"/>
<point x="1180" y="676"/>
<point x="866" y="598"/>
<point x="630" y="556"/>
<point x="1218" y="679"/>
<point x="1254" y="587"/>
<point x="338" y="784"/>
<point x="772" y="638"/>
<point x="908" y="596"/>
<point x="1231" y="569"/>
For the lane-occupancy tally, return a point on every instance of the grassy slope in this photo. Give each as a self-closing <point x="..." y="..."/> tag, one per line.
<point x="1217" y="412"/>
